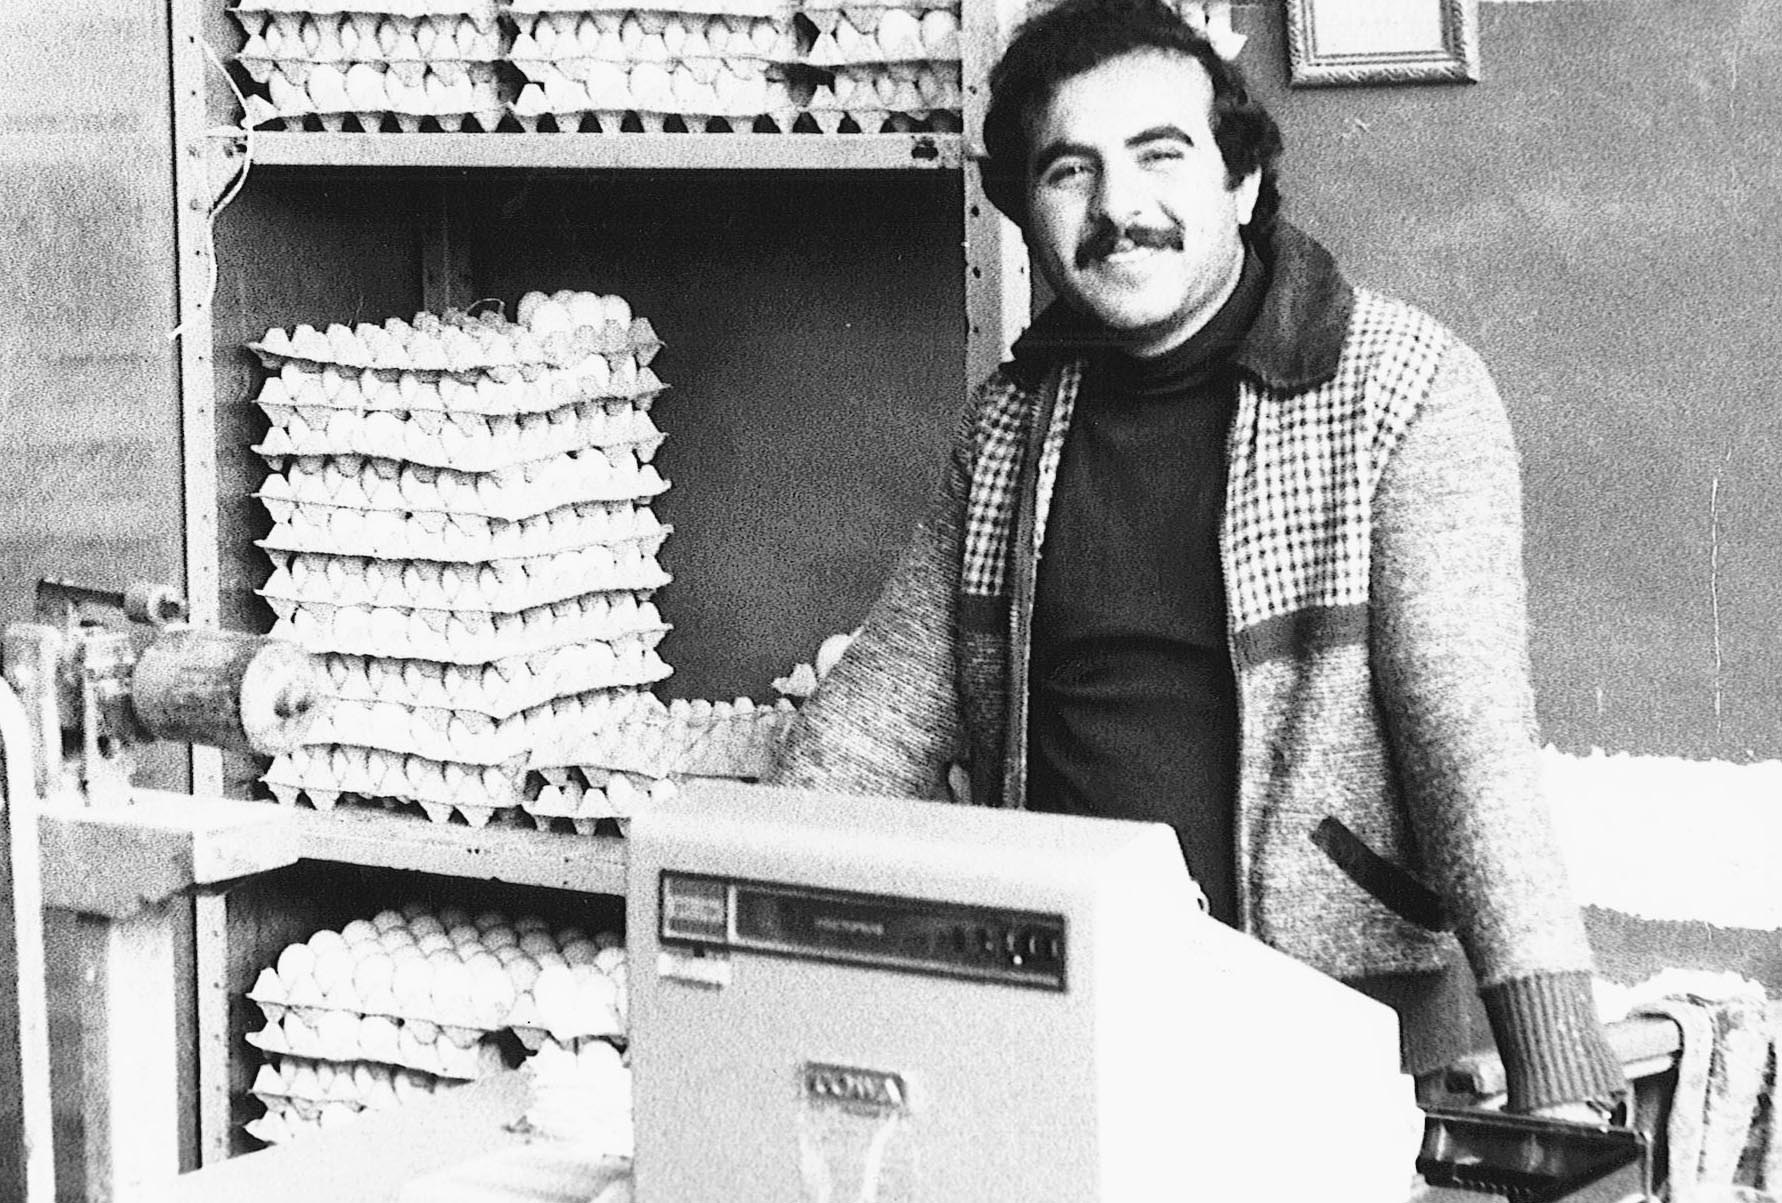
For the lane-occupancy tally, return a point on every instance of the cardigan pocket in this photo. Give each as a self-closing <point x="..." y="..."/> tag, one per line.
<point x="1393" y="886"/>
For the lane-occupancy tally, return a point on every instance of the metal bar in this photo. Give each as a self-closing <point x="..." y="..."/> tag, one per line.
<point x="997" y="286"/>
<point x="129" y="1053"/>
<point x="769" y="152"/>
<point x="211" y="968"/>
<point x="24" y="1067"/>
<point x="197" y="274"/>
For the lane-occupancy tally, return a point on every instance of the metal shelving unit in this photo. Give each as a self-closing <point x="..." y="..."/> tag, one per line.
<point x="208" y="143"/>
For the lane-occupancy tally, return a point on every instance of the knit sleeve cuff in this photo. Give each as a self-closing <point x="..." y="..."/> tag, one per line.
<point x="1551" y="1041"/>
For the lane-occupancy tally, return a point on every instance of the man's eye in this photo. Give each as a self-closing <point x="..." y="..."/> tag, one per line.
<point x="1066" y="173"/>
<point x="1158" y="155"/>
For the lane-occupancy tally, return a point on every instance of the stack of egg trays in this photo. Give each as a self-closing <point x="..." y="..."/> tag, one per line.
<point x="881" y="66"/>
<point x="613" y="66"/>
<point x="373" y="63"/>
<point x="461" y="530"/>
<point x="339" y="1039"/>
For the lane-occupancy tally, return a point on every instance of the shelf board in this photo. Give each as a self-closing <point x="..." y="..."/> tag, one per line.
<point x="520" y="855"/>
<point x="770" y="152"/>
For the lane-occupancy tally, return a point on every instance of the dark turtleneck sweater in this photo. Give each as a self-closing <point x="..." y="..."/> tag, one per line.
<point x="1134" y="711"/>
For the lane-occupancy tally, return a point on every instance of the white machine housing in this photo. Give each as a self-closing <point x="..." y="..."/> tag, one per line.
<point x="839" y="999"/>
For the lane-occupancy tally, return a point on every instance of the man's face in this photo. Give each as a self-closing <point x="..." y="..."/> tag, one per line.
<point x="1128" y="212"/>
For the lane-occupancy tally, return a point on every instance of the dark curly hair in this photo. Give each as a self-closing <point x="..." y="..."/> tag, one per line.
<point x="1074" y="36"/>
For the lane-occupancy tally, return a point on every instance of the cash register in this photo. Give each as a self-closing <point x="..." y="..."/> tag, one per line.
<point x="840" y="999"/>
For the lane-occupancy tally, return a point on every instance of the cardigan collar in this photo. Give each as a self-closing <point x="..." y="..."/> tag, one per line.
<point x="1294" y="343"/>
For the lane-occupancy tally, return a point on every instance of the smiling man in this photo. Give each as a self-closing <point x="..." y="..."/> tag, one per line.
<point x="1232" y="545"/>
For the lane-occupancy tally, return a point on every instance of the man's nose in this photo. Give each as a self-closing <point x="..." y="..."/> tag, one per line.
<point x="1121" y="196"/>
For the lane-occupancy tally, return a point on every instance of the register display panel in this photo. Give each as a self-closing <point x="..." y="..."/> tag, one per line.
<point x="910" y="935"/>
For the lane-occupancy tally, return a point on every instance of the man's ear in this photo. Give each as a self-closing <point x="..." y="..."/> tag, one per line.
<point x="1245" y="193"/>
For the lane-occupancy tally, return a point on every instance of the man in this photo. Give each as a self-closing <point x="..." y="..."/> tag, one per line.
<point x="1232" y="545"/>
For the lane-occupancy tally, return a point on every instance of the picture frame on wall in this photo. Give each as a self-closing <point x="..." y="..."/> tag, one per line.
<point x="1375" y="42"/>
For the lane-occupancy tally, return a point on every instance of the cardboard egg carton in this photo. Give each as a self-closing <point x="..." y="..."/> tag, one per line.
<point x="469" y="93"/>
<point x="285" y="1082"/>
<point x="323" y="776"/>
<point x="459" y="537"/>
<point x="521" y="491"/>
<point x="409" y="1018"/>
<point x="600" y="421"/>
<point x="562" y="731"/>
<point x="361" y="37"/>
<point x="472" y="636"/>
<point x="507" y="585"/>
<point x="500" y="687"/>
<point x="912" y="90"/>
<point x="587" y="794"/>
<point x="466" y="442"/>
<point x="285" y="1122"/>
<point x="343" y="1036"/>
<point x="593" y="388"/>
<point x="249" y="11"/>
<point x="855" y="35"/>
<point x="457" y="344"/>
<point x="590" y="385"/>
<point x="569" y="38"/>
<point x="650" y="94"/>
<point x="518" y="10"/>
<point x="571" y="1003"/>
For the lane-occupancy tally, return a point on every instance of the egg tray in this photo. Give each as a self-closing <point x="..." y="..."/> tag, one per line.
<point x="650" y="95"/>
<point x="627" y="478"/>
<point x="600" y="424"/>
<point x="470" y="636"/>
<point x="634" y="36"/>
<point x="362" y="85"/>
<point x="282" y="1080"/>
<point x="370" y="37"/>
<point x="462" y="442"/>
<point x="509" y="494"/>
<point x="279" y="1126"/>
<point x="455" y="536"/>
<point x="481" y="11"/>
<point x="619" y="123"/>
<point x="519" y="10"/>
<point x="607" y="500"/>
<point x="463" y="101"/>
<point x="583" y="1002"/>
<point x="557" y="732"/>
<point x="583" y="394"/>
<point x="853" y="35"/>
<point x="583" y="796"/>
<point x="452" y="1051"/>
<point x="895" y="87"/>
<point x="498" y="689"/>
<point x="916" y="88"/>
<point x="493" y="586"/>
<point x="455" y="341"/>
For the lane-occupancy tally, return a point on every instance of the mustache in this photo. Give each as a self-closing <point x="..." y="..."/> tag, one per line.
<point x="1106" y="236"/>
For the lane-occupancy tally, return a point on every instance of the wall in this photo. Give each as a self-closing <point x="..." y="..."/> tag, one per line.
<point x="89" y="410"/>
<point x="1599" y="216"/>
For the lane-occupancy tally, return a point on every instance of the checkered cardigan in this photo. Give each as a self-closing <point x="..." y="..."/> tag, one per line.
<point x="1371" y="547"/>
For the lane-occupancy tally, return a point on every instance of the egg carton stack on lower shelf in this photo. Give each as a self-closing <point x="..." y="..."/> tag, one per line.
<point x="462" y="531"/>
<point x="610" y="66"/>
<point x="881" y="67"/>
<point x="372" y="63"/>
<point x="411" y="1002"/>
